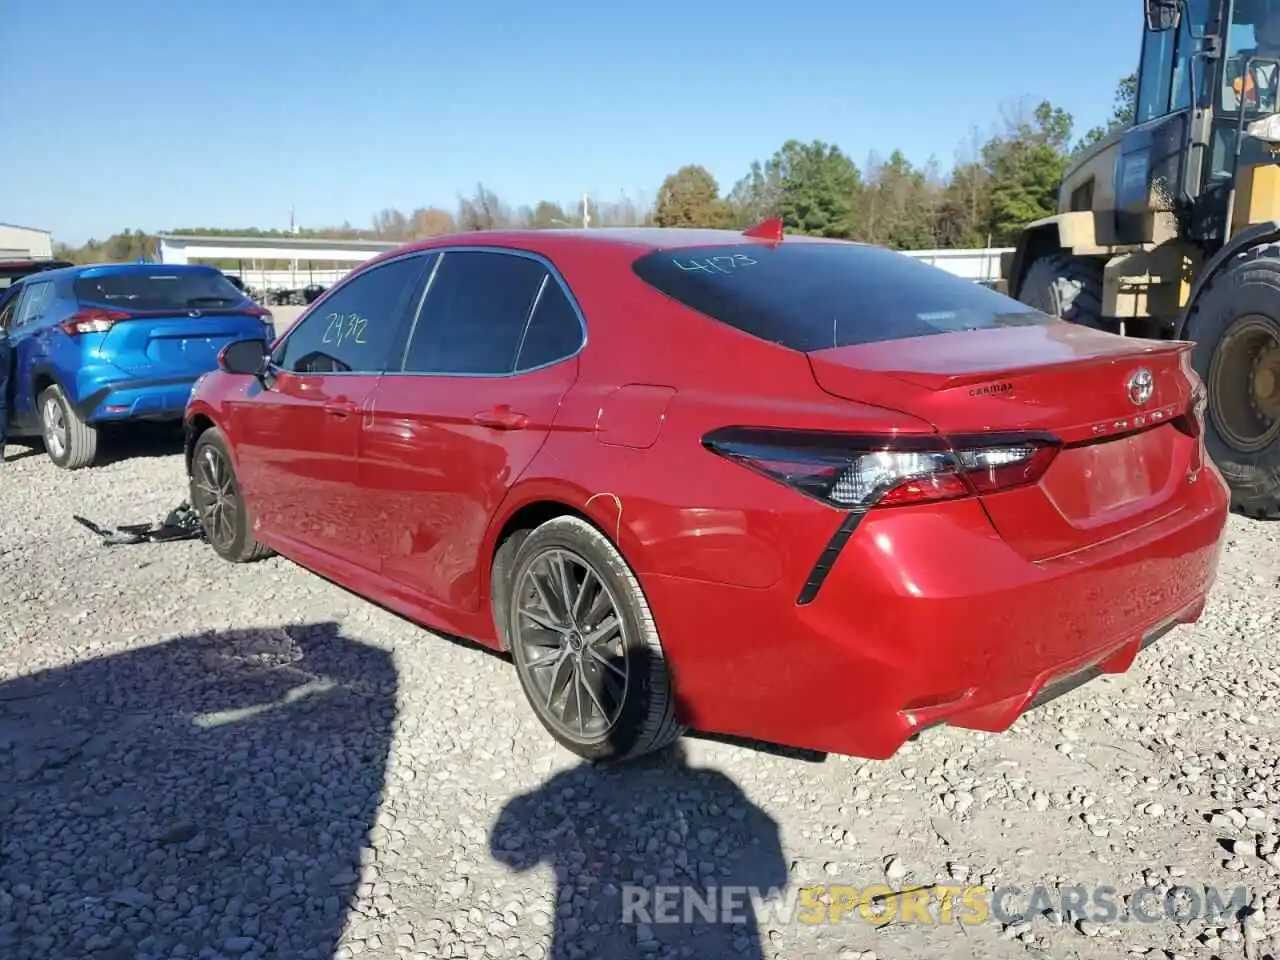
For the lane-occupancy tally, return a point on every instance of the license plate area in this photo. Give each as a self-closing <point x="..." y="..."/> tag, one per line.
<point x="1091" y="483"/>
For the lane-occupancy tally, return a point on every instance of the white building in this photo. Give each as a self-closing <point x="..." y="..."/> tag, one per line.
<point x="24" y="243"/>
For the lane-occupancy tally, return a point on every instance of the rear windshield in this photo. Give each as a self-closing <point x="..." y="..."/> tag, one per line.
<point x="811" y="296"/>
<point x="158" y="289"/>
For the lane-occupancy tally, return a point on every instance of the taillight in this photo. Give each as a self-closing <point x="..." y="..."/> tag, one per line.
<point x="1192" y="424"/>
<point x="92" y="321"/>
<point x="1191" y="420"/>
<point x="860" y="472"/>
<point x="268" y="321"/>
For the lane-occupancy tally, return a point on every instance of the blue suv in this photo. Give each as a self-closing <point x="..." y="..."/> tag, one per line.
<point x="115" y="342"/>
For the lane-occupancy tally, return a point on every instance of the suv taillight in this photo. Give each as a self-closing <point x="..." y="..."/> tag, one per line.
<point x="92" y="321"/>
<point x="861" y="472"/>
<point x="268" y="321"/>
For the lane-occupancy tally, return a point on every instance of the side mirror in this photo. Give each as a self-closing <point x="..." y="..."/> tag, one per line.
<point x="247" y="357"/>
<point x="1163" y="14"/>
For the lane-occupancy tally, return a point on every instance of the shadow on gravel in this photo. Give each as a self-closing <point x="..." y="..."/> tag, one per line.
<point x="210" y="796"/>
<point x="652" y="857"/>
<point x="127" y="442"/>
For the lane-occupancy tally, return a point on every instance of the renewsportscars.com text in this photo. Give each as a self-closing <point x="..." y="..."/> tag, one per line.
<point x="931" y="905"/>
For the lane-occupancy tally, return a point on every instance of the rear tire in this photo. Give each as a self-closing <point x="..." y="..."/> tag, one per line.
<point x="1240" y="308"/>
<point x="71" y="443"/>
<point x="620" y="681"/>
<point x="1065" y="286"/>
<point x="216" y="498"/>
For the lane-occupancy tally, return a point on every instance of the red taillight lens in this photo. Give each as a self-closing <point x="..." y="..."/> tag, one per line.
<point x="268" y="321"/>
<point x="857" y="473"/>
<point x="92" y="321"/>
<point x="991" y="469"/>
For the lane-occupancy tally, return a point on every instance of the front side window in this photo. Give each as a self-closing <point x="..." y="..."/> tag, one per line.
<point x="475" y="313"/>
<point x="356" y="328"/>
<point x="6" y="311"/>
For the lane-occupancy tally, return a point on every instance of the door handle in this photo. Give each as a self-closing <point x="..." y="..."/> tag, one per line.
<point x="340" y="408"/>
<point x="501" y="417"/>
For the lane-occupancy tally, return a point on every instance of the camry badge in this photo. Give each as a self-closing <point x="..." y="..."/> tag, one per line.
<point x="1141" y="386"/>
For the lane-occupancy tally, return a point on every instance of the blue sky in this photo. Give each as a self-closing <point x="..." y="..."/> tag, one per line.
<point x="157" y="115"/>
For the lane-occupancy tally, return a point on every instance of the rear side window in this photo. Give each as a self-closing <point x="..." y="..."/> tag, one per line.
<point x="158" y="289"/>
<point x="475" y="313"/>
<point x="812" y="296"/>
<point x="33" y="302"/>
<point x="554" y="332"/>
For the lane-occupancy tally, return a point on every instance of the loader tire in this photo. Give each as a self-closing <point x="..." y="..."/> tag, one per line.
<point x="1065" y="286"/>
<point x="1235" y="323"/>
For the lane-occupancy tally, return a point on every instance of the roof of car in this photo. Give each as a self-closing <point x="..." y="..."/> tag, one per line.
<point x="640" y="239"/>
<point x="91" y="269"/>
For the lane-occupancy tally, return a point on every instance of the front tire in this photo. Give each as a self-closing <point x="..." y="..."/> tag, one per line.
<point x="216" y="498"/>
<point x="70" y="443"/>
<point x="1235" y="324"/>
<point x="585" y="645"/>
<point x="1067" y="287"/>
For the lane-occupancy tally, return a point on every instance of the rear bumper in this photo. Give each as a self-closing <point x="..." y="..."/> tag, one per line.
<point x="928" y="617"/>
<point x="158" y="398"/>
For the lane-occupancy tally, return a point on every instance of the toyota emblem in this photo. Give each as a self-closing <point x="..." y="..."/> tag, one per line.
<point x="1141" y="386"/>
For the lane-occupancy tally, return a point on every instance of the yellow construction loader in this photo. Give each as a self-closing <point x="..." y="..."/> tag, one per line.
<point x="1170" y="228"/>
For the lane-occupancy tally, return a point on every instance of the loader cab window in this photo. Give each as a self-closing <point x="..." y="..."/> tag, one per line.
<point x="1164" y="83"/>
<point x="1251" y="74"/>
<point x="1250" y="82"/>
<point x="1195" y="22"/>
<point x="1156" y="78"/>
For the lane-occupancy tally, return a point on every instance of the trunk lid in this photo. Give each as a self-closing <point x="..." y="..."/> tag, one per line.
<point x="1125" y="459"/>
<point x="176" y="344"/>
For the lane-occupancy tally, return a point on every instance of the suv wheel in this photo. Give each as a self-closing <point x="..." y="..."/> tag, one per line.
<point x="70" y="442"/>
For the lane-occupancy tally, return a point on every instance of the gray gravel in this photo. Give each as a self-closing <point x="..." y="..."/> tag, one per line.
<point x="200" y="761"/>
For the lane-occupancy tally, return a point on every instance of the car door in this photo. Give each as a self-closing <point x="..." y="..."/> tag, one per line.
<point x="491" y="353"/>
<point x="8" y="303"/>
<point x="29" y="347"/>
<point x="297" y="437"/>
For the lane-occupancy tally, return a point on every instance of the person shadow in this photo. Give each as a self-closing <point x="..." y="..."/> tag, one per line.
<point x="210" y="796"/>
<point x="652" y="858"/>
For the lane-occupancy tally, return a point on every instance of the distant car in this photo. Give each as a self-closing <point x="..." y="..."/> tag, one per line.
<point x="111" y="343"/>
<point x="11" y="271"/>
<point x="804" y="491"/>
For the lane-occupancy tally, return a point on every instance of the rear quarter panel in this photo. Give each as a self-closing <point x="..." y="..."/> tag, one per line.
<point x="673" y="507"/>
<point x="43" y="355"/>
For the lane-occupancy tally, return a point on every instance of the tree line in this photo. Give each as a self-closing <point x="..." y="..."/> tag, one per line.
<point x="1000" y="182"/>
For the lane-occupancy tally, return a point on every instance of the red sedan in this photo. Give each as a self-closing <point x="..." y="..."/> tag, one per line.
<point x="810" y="492"/>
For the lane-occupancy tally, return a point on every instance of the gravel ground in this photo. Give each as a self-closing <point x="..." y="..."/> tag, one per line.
<point x="203" y="760"/>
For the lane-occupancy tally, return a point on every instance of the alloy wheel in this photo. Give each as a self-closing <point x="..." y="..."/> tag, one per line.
<point x="55" y="427"/>
<point x="217" y="503"/>
<point x="573" y="644"/>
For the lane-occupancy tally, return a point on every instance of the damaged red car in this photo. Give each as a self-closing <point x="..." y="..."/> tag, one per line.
<point x="805" y="491"/>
